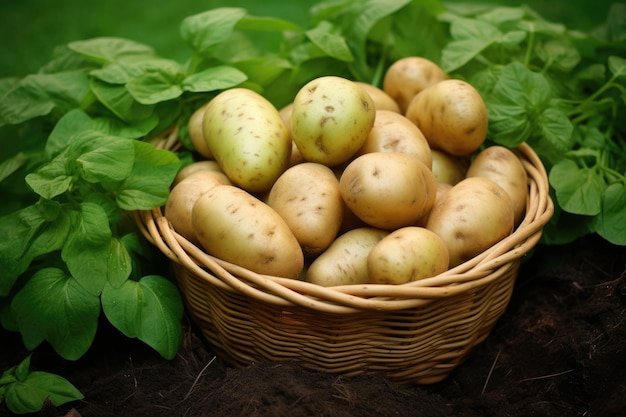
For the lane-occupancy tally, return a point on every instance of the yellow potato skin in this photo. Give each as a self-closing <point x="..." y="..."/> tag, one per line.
<point x="235" y="226"/>
<point x="207" y="165"/>
<point x="345" y="260"/>
<point x="196" y="133"/>
<point x="330" y="119"/>
<point x="247" y="137"/>
<point x="388" y="190"/>
<point x="407" y="254"/>
<point x="307" y="197"/>
<point x="392" y="132"/>
<point x="501" y="165"/>
<point x="184" y="195"/>
<point x="382" y="100"/>
<point x="452" y="116"/>
<point x="408" y="76"/>
<point x="471" y="217"/>
<point x="448" y="168"/>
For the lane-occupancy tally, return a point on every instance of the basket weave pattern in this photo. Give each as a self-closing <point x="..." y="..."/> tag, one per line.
<point x="414" y="333"/>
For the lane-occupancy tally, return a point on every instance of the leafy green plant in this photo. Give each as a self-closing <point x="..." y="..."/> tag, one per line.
<point x="25" y="391"/>
<point x="562" y="91"/>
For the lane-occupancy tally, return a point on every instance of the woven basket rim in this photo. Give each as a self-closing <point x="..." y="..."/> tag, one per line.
<point x="346" y="299"/>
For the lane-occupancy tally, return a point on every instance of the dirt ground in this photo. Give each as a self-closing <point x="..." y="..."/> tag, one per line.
<point x="559" y="350"/>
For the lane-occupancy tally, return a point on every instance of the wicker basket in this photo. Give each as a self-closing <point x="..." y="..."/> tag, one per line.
<point x="415" y="333"/>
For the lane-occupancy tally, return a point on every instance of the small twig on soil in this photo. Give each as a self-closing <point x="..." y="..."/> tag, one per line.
<point x="493" y="365"/>
<point x="196" y="380"/>
<point x="547" y="376"/>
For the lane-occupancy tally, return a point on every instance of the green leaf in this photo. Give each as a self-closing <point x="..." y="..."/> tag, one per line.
<point x="12" y="164"/>
<point x="470" y="38"/>
<point x="508" y="124"/>
<point x="76" y="123"/>
<point x="156" y="86"/>
<point x="29" y="395"/>
<point x="121" y="103"/>
<point x="51" y="179"/>
<point x="88" y="247"/>
<point x="611" y="221"/>
<point x="22" y="369"/>
<point x="109" y="49"/>
<point x="366" y="15"/>
<point x="265" y="24"/>
<point x="578" y="190"/>
<point x="148" y="185"/>
<point x="617" y="66"/>
<point x="205" y="31"/>
<point x="214" y="78"/>
<point x="559" y="54"/>
<point x="518" y="85"/>
<point x="126" y="68"/>
<point x="458" y="53"/>
<point x="102" y="158"/>
<point x="28" y="233"/>
<point x="120" y="263"/>
<point x="500" y="15"/>
<point x="54" y="307"/>
<point x="149" y="309"/>
<point x="325" y="36"/>
<point x="38" y="94"/>
<point x="263" y="70"/>
<point x="555" y="134"/>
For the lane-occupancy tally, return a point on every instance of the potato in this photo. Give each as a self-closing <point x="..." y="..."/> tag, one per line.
<point x="285" y="115"/>
<point x="248" y="138"/>
<point x="307" y="197"/>
<point x="502" y="166"/>
<point x="471" y="217"/>
<point x="392" y="132"/>
<point x="330" y="119"/>
<point x="196" y="133"/>
<point x="388" y="190"/>
<point x="408" y="76"/>
<point x="208" y="165"/>
<point x="452" y="116"/>
<point x="407" y="254"/>
<point x="382" y="100"/>
<point x="345" y="260"/>
<point x="184" y="195"/>
<point x="448" y="168"/>
<point x="234" y="226"/>
<point x="442" y="189"/>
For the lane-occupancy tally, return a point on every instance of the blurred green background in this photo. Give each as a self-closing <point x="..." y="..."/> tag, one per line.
<point x="31" y="29"/>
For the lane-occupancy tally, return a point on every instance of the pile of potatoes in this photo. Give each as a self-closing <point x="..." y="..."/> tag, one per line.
<point x="350" y="183"/>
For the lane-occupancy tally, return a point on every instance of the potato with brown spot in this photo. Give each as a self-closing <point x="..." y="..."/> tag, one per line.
<point x="471" y="217"/>
<point x="452" y="116"/>
<point x="388" y="190"/>
<point x="235" y="226"/>
<point x="501" y="165"/>
<point x="392" y="132"/>
<point x="406" y="77"/>
<point x="248" y="138"/>
<point x="330" y="119"/>
<point x="345" y="260"/>
<point x="407" y="254"/>
<point x="307" y="197"/>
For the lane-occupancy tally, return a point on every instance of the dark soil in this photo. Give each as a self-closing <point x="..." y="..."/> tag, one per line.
<point x="559" y="350"/>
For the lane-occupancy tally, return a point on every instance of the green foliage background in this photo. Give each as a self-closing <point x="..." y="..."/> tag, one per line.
<point x="31" y="29"/>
